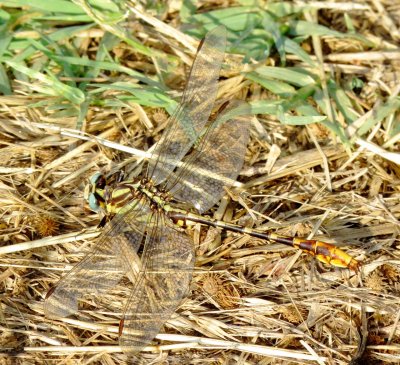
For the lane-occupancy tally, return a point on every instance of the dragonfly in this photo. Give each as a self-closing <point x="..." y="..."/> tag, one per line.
<point x="145" y="236"/>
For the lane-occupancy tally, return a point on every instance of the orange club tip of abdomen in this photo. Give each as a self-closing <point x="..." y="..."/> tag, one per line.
<point x="327" y="253"/>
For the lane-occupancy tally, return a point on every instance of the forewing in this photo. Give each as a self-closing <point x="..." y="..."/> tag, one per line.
<point x="168" y="260"/>
<point x="101" y="269"/>
<point x="185" y="125"/>
<point x="213" y="164"/>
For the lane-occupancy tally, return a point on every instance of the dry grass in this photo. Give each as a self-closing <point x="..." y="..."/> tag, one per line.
<point x="251" y="302"/>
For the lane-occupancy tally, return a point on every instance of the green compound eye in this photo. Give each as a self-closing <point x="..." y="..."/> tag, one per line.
<point x="93" y="202"/>
<point x="94" y="191"/>
<point x="94" y="179"/>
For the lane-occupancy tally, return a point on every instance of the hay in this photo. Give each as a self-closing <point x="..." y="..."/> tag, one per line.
<point x="250" y="302"/>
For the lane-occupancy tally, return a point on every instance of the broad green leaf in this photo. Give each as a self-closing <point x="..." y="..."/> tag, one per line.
<point x="282" y="9"/>
<point x="292" y="76"/>
<point x="300" y="120"/>
<point x="264" y="106"/>
<point x="78" y="18"/>
<point x="105" y="5"/>
<point x="5" y="40"/>
<point x="4" y="24"/>
<point x="275" y="86"/>
<point x="236" y="19"/>
<point x="53" y="6"/>
<point x="306" y="109"/>
<point x="5" y="86"/>
<point x="301" y="27"/>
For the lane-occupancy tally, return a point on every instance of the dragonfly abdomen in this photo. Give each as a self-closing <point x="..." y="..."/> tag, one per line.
<point x="322" y="251"/>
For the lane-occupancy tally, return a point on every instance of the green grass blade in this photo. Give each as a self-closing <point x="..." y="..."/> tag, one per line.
<point x="56" y="6"/>
<point x="74" y="95"/>
<point x="277" y="87"/>
<point x="380" y="113"/>
<point x="292" y="76"/>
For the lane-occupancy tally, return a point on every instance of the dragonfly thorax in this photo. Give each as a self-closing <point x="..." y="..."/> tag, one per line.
<point x="102" y="195"/>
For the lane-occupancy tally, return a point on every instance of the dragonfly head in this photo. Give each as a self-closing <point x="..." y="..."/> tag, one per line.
<point x="94" y="192"/>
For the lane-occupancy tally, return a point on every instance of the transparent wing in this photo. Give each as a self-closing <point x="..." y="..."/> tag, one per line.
<point x="194" y="110"/>
<point x="168" y="260"/>
<point x="214" y="163"/>
<point x="103" y="267"/>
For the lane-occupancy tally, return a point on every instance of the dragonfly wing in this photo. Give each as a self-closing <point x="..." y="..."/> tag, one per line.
<point x="215" y="163"/>
<point x="168" y="261"/>
<point x="186" y="123"/>
<point x="103" y="267"/>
